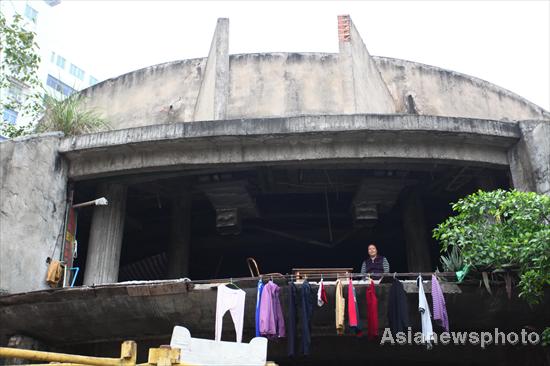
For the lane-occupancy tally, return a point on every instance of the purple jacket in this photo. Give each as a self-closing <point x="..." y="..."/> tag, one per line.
<point x="272" y="322"/>
<point x="440" y="310"/>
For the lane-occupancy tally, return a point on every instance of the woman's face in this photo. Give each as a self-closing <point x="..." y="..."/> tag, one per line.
<point x="372" y="250"/>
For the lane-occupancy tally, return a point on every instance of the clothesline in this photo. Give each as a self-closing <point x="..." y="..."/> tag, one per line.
<point x="326" y="276"/>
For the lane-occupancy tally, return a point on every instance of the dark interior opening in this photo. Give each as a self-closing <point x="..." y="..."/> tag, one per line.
<point x="288" y="216"/>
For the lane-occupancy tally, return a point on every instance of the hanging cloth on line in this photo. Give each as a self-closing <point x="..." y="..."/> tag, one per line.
<point x="353" y="310"/>
<point x="424" y="309"/>
<point x="439" y="307"/>
<point x="340" y="306"/>
<point x="232" y="300"/>
<point x="398" y="309"/>
<point x="258" y="301"/>
<point x="372" y="312"/>
<point x="307" y="312"/>
<point x="272" y="323"/>
<point x="291" y="321"/>
<point x="321" y="294"/>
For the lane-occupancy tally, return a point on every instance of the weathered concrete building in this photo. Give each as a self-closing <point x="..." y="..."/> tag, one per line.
<point x="295" y="159"/>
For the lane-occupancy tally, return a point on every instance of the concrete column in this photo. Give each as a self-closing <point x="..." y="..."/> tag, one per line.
<point x="416" y="238"/>
<point x="106" y="232"/>
<point x="529" y="159"/>
<point x="180" y="237"/>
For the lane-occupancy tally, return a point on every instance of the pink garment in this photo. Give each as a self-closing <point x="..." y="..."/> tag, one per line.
<point x="232" y="300"/>
<point x="272" y="323"/>
<point x="439" y="307"/>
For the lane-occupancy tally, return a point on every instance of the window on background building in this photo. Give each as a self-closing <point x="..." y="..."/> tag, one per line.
<point x="15" y="93"/>
<point x="9" y="116"/>
<point x="59" y="86"/>
<point x="30" y="13"/>
<point x="93" y="80"/>
<point x="60" y="62"/>
<point x="76" y="71"/>
<point x="52" y="57"/>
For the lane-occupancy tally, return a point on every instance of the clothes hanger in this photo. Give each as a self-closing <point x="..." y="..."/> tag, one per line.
<point x="232" y="285"/>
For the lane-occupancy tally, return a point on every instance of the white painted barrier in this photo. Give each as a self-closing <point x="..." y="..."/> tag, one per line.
<point x="198" y="351"/>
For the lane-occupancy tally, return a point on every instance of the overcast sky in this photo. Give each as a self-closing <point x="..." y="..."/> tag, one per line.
<point x="504" y="42"/>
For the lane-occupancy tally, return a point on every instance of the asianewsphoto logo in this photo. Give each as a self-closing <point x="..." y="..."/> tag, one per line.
<point x="482" y="339"/>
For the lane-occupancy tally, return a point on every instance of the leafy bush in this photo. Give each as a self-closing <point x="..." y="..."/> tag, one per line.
<point x="503" y="228"/>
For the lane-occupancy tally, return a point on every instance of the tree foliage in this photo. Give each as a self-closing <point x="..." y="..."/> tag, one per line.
<point x="499" y="229"/>
<point x="19" y="67"/>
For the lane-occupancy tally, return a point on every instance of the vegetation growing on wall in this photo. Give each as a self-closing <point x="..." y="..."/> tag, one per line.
<point x="69" y="116"/>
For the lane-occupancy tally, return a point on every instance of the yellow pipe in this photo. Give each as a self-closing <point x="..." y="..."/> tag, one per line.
<point x="6" y="352"/>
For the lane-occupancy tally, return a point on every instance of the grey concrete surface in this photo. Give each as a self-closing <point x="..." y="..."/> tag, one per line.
<point x="530" y="158"/>
<point x="106" y="232"/>
<point x="32" y="210"/>
<point x="292" y="84"/>
<point x="295" y="139"/>
<point x="212" y="99"/>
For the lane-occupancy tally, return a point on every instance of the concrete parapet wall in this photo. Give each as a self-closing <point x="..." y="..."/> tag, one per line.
<point x="223" y="86"/>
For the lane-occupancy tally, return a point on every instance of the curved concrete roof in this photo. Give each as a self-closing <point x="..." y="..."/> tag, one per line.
<point x="266" y="85"/>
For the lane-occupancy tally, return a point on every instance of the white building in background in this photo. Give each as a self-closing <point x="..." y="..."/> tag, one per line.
<point x="60" y="75"/>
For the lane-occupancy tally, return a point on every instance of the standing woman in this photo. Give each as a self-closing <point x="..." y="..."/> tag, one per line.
<point x="375" y="263"/>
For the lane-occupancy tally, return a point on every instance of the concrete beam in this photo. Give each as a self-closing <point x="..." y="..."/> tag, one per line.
<point x="214" y="90"/>
<point x="107" y="228"/>
<point x="120" y="311"/>
<point x="296" y="139"/>
<point x="364" y="89"/>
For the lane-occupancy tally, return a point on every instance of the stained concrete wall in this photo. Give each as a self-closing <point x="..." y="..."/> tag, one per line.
<point x="284" y="84"/>
<point x="292" y="84"/>
<point x="32" y="210"/>
<point x="154" y="95"/>
<point x="441" y="92"/>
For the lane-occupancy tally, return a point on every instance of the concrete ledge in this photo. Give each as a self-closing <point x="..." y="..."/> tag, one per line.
<point x="293" y="139"/>
<point x="291" y="125"/>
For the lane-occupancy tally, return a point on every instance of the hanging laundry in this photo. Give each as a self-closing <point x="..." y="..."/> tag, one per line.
<point x="291" y="331"/>
<point x="55" y="273"/>
<point x="353" y="311"/>
<point x="272" y="323"/>
<point x="439" y="307"/>
<point x="398" y="309"/>
<point x="321" y="294"/>
<point x="307" y="312"/>
<point x="232" y="300"/>
<point x="372" y="312"/>
<point x="424" y="309"/>
<point x="340" y="306"/>
<point x="258" y="301"/>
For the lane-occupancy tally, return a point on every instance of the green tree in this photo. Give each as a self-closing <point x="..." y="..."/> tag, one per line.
<point x="500" y="229"/>
<point x="19" y="66"/>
